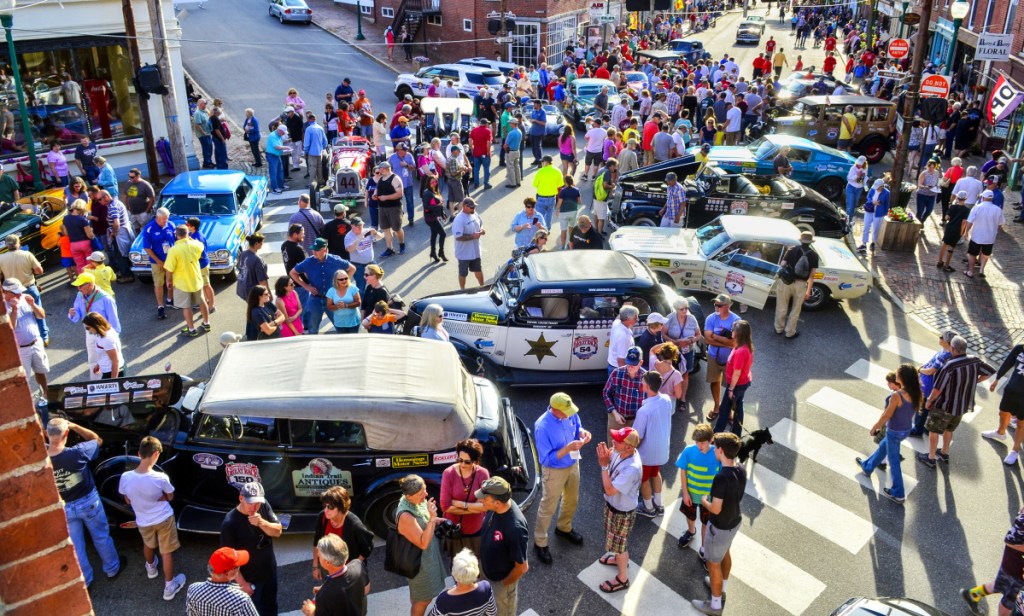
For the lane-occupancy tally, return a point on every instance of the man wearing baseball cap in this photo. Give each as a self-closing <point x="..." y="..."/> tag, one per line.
<point x="982" y="227"/>
<point x="992" y="184"/>
<point x="623" y="392"/>
<point x="560" y="436"/>
<point x="504" y="538"/>
<point x="802" y="260"/>
<point x="364" y="110"/>
<point x="218" y="594"/>
<point x="621" y="471"/>
<point x="249" y="528"/>
<point x="25" y="312"/>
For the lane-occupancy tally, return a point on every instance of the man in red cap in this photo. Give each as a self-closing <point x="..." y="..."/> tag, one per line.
<point x="621" y="471"/>
<point x="219" y="594"/>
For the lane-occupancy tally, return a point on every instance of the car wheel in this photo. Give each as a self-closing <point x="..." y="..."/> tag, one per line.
<point x="665" y="279"/>
<point x="873" y="150"/>
<point x="831" y="188"/>
<point x="644" y="221"/>
<point x="402" y="91"/>
<point x="820" y="296"/>
<point x="380" y="513"/>
<point x="806" y="226"/>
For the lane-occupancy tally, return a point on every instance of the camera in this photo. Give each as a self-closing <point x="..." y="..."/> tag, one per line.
<point x="446" y="529"/>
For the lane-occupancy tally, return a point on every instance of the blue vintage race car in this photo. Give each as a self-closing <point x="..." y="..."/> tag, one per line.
<point x="818" y="166"/>
<point x="229" y="205"/>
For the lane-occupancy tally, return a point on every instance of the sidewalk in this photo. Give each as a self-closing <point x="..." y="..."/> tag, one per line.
<point x="342" y="24"/>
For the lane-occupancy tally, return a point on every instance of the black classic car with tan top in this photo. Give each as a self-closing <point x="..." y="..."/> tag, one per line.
<point x="301" y="415"/>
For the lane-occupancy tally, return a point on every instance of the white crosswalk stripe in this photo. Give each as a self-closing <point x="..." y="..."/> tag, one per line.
<point x="917" y="353"/>
<point x="874" y="374"/>
<point x="857" y="412"/>
<point x="646" y="594"/>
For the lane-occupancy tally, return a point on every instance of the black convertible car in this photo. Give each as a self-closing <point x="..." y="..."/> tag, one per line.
<point x="712" y="192"/>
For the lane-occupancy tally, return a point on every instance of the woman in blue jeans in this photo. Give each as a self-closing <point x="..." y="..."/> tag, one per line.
<point x="737" y="379"/>
<point x="897" y="419"/>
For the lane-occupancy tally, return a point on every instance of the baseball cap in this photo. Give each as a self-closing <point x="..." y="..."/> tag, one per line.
<point x="634" y="356"/>
<point x="992" y="179"/>
<point x="253" y="492"/>
<point x="562" y="403"/>
<point x="987" y="194"/>
<point x="408" y="97"/>
<point x="706" y="147"/>
<point x="346" y="80"/>
<point x="226" y="559"/>
<point x="496" y="487"/>
<point x="356" y="221"/>
<point x="403" y="119"/>
<point x="13" y="286"/>
<point x="319" y="243"/>
<point x="509" y="105"/>
<point x="513" y="120"/>
<point x="862" y="160"/>
<point x="626" y="435"/>
<point x="362" y="93"/>
<point x="97" y="257"/>
<point x="655" y="317"/>
<point x="962" y="194"/>
<point x="83" y="278"/>
<point x="341" y="208"/>
<point x="723" y="298"/>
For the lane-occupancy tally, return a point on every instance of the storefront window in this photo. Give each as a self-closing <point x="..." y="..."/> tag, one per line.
<point x="72" y="88"/>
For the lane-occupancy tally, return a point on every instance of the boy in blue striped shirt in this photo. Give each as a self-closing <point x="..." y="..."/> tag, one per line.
<point x="697" y="469"/>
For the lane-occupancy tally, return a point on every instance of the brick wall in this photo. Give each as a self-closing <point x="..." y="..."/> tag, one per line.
<point x="39" y="573"/>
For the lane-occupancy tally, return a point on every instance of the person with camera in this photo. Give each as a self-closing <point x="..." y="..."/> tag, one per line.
<point x="503" y="544"/>
<point x="796" y="279"/>
<point x="417" y="521"/>
<point x="459" y="483"/>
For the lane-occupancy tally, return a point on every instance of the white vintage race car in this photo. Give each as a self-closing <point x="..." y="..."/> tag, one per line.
<point x="741" y="256"/>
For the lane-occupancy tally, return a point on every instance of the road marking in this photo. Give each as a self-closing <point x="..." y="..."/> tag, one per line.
<point x="816" y="513"/>
<point x="270" y="248"/>
<point x="875" y="375"/>
<point x="756" y="566"/>
<point x="917" y="353"/>
<point x="274" y="270"/>
<point x="274" y="227"/>
<point x="855" y="411"/>
<point x="270" y="212"/>
<point x="646" y="594"/>
<point x="832" y="455"/>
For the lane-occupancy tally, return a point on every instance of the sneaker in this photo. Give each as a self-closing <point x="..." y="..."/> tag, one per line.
<point x="924" y="459"/>
<point x="387" y="253"/>
<point x="993" y="435"/>
<point x="896" y="499"/>
<point x="862" y="248"/>
<point x="659" y="509"/>
<point x="860" y="463"/>
<point x="942" y="457"/>
<point x="972" y="604"/>
<point x="1011" y="458"/>
<point x="191" y="333"/>
<point x="168" y="302"/>
<point x="644" y="511"/>
<point x="206" y="327"/>
<point x="171" y="588"/>
<point x="401" y="249"/>
<point x="153" y="569"/>
<point x="161" y="313"/>
<point x="704" y="607"/>
<point x="685" y="539"/>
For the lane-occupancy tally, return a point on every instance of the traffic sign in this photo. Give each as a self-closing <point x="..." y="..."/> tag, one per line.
<point x="897" y="75"/>
<point x="504" y="40"/>
<point x="899" y="48"/>
<point x="606" y="19"/>
<point x="935" y="85"/>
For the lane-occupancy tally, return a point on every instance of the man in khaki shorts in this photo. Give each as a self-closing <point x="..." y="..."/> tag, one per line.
<point x="182" y="269"/>
<point x="150" y="494"/>
<point x="718" y="334"/>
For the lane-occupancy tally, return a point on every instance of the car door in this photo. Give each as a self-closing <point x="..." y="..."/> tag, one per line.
<point x="598" y="310"/>
<point x="540" y="332"/>
<point x="422" y="81"/>
<point x="741" y="270"/>
<point x="800" y="159"/>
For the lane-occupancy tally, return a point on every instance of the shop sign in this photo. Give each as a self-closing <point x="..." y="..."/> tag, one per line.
<point x="1003" y="100"/>
<point x="995" y="47"/>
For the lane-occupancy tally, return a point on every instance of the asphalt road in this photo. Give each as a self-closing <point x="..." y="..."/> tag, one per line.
<point x="812" y="535"/>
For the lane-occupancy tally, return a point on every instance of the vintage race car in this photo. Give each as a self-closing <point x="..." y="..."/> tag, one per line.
<point x="819" y="119"/>
<point x="36" y="219"/>
<point x="754" y="21"/>
<point x="580" y="101"/>
<point x="350" y="165"/>
<point x="818" y="166"/>
<point x="740" y="255"/>
<point x="545" y="321"/>
<point x="229" y="205"/>
<point x="444" y="116"/>
<point x="553" y="123"/>
<point x="640" y="194"/>
<point x="749" y="33"/>
<point x="292" y="425"/>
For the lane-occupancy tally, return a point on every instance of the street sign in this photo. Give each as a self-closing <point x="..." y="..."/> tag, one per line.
<point x="935" y="85"/>
<point x="606" y="19"/>
<point x="897" y="75"/>
<point x="898" y="48"/>
<point x="994" y="47"/>
<point x="504" y="40"/>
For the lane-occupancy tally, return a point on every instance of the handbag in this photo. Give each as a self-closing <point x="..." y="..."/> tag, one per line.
<point x="401" y="556"/>
<point x="944" y="182"/>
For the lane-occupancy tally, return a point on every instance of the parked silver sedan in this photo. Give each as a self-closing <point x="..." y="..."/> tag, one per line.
<point x="291" y="11"/>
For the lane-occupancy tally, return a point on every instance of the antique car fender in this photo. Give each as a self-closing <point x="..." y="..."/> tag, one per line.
<point x="480" y="364"/>
<point x="378" y="505"/>
<point x="107" y="476"/>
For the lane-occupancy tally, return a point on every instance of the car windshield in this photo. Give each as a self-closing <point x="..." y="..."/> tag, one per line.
<point x="490" y="79"/>
<point x="294" y="3"/>
<point x="712" y="237"/>
<point x="636" y="77"/>
<point x="199" y="204"/>
<point x="761" y="148"/>
<point x="784" y="187"/>
<point x="588" y="91"/>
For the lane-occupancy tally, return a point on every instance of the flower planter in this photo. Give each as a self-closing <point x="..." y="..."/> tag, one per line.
<point x="899" y="236"/>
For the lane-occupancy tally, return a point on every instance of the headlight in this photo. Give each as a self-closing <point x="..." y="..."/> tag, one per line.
<point x="135" y="257"/>
<point x="222" y="255"/>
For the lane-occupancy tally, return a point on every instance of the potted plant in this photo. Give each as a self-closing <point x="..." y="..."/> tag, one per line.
<point x="419" y="61"/>
<point x="900" y="230"/>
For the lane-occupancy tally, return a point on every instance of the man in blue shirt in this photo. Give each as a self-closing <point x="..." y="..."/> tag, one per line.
<point x="319" y="271"/>
<point x="204" y="261"/>
<point x="344" y="93"/>
<point x="315" y="146"/>
<point x="403" y="164"/>
<point x="559" y="436"/>
<point x="157" y="239"/>
<point x="401" y="133"/>
<point x="511" y="147"/>
<point x="538" y="122"/>
<point x="718" y="334"/>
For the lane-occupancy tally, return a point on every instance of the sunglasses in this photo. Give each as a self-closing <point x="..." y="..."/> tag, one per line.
<point x="465" y="461"/>
<point x="341" y="279"/>
<point x="720" y="305"/>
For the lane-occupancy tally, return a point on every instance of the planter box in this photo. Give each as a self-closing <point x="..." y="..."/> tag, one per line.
<point x="899" y="236"/>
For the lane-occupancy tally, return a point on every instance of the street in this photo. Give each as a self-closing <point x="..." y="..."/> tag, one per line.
<point x="814" y="532"/>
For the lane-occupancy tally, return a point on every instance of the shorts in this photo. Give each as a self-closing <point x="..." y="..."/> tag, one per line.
<point x="686" y="362"/>
<point x="1012" y="403"/>
<point x="34" y="359"/>
<point x="717" y="543"/>
<point x="617" y="526"/>
<point x="844" y="144"/>
<point x="206" y="276"/>
<point x="1009" y="587"/>
<point x="67" y="262"/>
<point x="940" y="421"/>
<point x="691" y="511"/>
<point x="593" y="158"/>
<point x="600" y="209"/>
<point x="567" y="220"/>
<point x="158" y="274"/>
<point x="472" y="265"/>
<point x="162" y="536"/>
<point x="715" y="371"/>
<point x="649" y="471"/>
<point x="139" y="221"/>
<point x="569" y="158"/>
<point x="391" y="217"/>
<point x="979" y="249"/>
<point x="187" y="299"/>
<point x="455" y="191"/>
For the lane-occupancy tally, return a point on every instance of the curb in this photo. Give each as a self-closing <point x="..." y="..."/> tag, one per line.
<point x="356" y="47"/>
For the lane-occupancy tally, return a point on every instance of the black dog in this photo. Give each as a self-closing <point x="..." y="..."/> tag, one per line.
<point x="751" y="444"/>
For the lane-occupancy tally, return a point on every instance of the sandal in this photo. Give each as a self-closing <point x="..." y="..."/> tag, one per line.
<point x="713" y="415"/>
<point x="608" y="559"/>
<point x="614" y="585"/>
<point x="968" y="274"/>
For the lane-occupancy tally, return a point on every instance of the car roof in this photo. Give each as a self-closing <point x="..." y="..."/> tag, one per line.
<point x="760" y="229"/>
<point x="409" y="394"/>
<point x="446" y="105"/>
<point x="845" y="99"/>
<point x="581" y="265"/>
<point x="206" y="181"/>
<point x="595" y="81"/>
<point x="468" y="68"/>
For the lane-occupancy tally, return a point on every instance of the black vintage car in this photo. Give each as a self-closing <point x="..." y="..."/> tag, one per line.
<point x="640" y="194"/>
<point x="276" y="412"/>
<point x="546" y="318"/>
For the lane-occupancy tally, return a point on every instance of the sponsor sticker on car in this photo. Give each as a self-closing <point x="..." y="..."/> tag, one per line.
<point x="483" y="317"/>
<point x="455" y="316"/>
<point x="584" y="347"/>
<point x="318" y="476"/>
<point x="208" y="460"/>
<point x="660" y="262"/>
<point x="445" y="458"/>
<point x="410" y="461"/>
<point x="239" y="473"/>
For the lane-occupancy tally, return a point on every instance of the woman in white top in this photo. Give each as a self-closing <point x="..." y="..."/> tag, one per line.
<point x="683" y="330"/>
<point x="109" y="359"/>
<point x="432" y="323"/>
<point x="381" y="135"/>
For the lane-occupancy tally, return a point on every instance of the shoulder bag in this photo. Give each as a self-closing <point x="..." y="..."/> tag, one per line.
<point x="401" y="556"/>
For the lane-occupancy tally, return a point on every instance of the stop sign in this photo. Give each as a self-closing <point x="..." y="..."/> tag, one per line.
<point x="898" y="48"/>
<point x="935" y="85"/>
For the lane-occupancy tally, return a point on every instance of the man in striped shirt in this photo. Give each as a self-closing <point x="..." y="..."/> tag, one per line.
<point x="951" y="398"/>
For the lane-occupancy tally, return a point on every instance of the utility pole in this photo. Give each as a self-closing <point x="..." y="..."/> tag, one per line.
<point x="163" y="62"/>
<point x="908" y="111"/>
<point x="872" y="9"/>
<point x="147" y="125"/>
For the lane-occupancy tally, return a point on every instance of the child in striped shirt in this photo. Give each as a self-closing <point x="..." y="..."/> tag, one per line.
<point x="697" y="469"/>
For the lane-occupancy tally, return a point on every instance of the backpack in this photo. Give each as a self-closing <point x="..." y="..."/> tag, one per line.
<point x="225" y="130"/>
<point x="600" y="193"/>
<point x="802" y="269"/>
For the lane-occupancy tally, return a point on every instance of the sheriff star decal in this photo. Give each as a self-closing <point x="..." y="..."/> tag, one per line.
<point x="540" y="348"/>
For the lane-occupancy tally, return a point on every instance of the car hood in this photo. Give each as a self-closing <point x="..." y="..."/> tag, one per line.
<point x="731" y="153"/>
<point x="889" y="606"/>
<point x="647" y="240"/>
<point x="461" y="305"/>
<point x="682" y="166"/>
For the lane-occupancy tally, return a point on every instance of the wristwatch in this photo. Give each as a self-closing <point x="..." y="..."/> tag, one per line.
<point x="604" y="468"/>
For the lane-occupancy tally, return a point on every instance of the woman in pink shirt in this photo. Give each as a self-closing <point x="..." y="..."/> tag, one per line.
<point x="58" y="163"/>
<point x="737" y="379"/>
<point x="459" y="483"/>
<point x="295" y="101"/>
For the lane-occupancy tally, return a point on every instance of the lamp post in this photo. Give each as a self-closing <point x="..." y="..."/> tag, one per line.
<point x="7" y="20"/>
<point x="958" y="10"/>
<point x="902" y="15"/>
<point x="359" y="22"/>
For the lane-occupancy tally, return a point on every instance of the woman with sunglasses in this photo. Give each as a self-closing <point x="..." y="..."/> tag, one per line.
<point x="109" y="359"/>
<point x="683" y="330"/>
<point x="540" y="240"/>
<point x="337" y="519"/>
<point x="432" y="323"/>
<point x="459" y="482"/>
<point x="374" y="290"/>
<point x="289" y="305"/>
<point x="343" y="301"/>
<point x="262" y="319"/>
<point x="435" y="214"/>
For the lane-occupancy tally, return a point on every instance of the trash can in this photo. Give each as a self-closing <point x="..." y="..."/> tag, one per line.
<point x="903" y="198"/>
